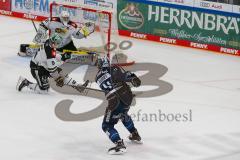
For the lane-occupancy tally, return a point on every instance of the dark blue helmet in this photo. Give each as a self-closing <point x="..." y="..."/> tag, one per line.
<point x="103" y="62"/>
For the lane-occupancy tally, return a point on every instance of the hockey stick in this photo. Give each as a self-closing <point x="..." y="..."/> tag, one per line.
<point x="34" y="25"/>
<point x="84" y="87"/>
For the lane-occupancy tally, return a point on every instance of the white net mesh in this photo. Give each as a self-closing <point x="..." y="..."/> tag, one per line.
<point x="106" y="35"/>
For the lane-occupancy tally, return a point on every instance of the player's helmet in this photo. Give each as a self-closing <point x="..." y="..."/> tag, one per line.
<point x="103" y="62"/>
<point x="56" y="39"/>
<point x="65" y="17"/>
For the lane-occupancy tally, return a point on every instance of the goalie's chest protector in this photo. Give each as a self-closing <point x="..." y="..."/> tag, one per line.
<point x="56" y="26"/>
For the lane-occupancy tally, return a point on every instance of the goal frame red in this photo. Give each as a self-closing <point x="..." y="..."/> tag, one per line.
<point x="109" y="14"/>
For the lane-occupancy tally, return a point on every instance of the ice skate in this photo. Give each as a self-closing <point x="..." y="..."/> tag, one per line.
<point x="22" y="82"/>
<point x="134" y="137"/>
<point x="118" y="149"/>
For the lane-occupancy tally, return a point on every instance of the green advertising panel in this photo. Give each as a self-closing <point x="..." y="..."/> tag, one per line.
<point x="195" y="26"/>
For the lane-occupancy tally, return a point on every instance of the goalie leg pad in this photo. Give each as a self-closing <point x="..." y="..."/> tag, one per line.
<point x="28" y="50"/>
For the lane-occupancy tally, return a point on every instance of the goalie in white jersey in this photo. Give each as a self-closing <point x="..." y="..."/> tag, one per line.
<point x="64" y="26"/>
<point x="45" y="64"/>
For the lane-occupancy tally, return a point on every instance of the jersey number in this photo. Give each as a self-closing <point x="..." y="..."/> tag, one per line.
<point x="107" y="85"/>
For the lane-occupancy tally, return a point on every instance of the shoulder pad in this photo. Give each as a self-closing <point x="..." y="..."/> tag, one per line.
<point x="56" y="19"/>
<point x="71" y="23"/>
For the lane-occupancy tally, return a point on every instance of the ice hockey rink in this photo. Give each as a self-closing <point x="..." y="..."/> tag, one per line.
<point x="206" y="83"/>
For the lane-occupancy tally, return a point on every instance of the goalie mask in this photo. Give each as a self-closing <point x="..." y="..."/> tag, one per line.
<point x="65" y="17"/>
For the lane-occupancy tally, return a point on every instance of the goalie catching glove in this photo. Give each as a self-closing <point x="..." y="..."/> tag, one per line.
<point x="87" y="29"/>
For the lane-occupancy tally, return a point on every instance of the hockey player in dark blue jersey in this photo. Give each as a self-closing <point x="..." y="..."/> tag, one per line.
<point x="113" y="80"/>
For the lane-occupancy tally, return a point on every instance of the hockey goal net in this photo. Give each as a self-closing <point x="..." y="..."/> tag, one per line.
<point x="104" y="40"/>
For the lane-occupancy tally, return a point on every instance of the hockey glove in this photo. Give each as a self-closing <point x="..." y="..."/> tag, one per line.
<point x="136" y="82"/>
<point x="129" y="74"/>
<point x="60" y="81"/>
<point x="66" y="56"/>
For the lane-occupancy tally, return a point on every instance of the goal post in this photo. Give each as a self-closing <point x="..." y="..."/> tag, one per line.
<point x="100" y="41"/>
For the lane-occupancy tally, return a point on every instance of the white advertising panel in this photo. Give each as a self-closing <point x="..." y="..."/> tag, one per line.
<point x="179" y="2"/>
<point x="236" y="9"/>
<point x="34" y="7"/>
<point x="42" y="7"/>
<point x="213" y="5"/>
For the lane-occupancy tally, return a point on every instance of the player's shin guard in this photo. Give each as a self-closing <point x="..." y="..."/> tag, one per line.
<point x="111" y="132"/>
<point x="128" y="123"/>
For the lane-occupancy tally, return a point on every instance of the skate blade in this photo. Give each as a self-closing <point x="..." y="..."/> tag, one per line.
<point x="121" y="151"/>
<point x="136" y="142"/>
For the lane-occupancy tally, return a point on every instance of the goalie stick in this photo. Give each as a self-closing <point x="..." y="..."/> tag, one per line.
<point x="34" y="25"/>
<point x="29" y="49"/>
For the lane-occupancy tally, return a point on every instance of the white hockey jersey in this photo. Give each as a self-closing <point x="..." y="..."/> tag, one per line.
<point x="47" y="57"/>
<point x="55" y="25"/>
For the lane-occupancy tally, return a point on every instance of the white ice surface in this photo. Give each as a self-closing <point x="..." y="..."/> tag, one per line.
<point x="205" y="82"/>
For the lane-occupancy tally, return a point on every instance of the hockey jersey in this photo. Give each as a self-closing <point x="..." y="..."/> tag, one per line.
<point x="55" y="25"/>
<point x="113" y="81"/>
<point x="47" y="57"/>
